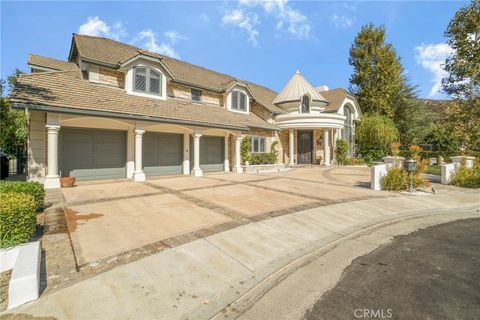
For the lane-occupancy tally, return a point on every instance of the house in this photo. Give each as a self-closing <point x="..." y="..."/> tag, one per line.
<point x="116" y="111"/>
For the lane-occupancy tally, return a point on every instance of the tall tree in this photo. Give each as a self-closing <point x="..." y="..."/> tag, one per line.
<point x="377" y="80"/>
<point x="463" y="66"/>
<point x="13" y="125"/>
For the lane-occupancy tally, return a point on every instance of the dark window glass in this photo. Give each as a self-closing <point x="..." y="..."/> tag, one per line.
<point x="243" y="102"/>
<point x="196" y="95"/>
<point x="140" y="79"/>
<point x="305" y="104"/>
<point x="234" y="104"/>
<point x="154" y="82"/>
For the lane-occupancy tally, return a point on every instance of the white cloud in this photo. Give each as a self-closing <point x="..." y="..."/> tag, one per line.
<point x="432" y="58"/>
<point x="97" y="27"/>
<point x="341" y="21"/>
<point x="175" y="36"/>
<point x="296" y="23"/>
<point x="243" y="21"/>
<point x="150" y="42"/>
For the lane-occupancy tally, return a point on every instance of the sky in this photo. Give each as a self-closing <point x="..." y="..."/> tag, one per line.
<point x="259" y="41"/>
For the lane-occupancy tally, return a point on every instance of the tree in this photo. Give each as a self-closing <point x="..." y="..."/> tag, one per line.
<point x="13" y="124"/>
<point x="374" y="134"/>
<point x="377" y="80"/>
<point x="463" y="66"/>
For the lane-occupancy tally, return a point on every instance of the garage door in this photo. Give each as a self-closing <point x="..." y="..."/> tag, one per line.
<point x="162" y="153"/>
<point x="92" y="154"/>
<point x="211" y="153"/>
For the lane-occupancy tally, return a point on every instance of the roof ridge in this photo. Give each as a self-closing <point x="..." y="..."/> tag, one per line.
<point x="39" y="55"/>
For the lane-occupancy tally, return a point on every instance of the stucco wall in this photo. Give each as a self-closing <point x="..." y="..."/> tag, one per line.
<point x="37" y="162"/>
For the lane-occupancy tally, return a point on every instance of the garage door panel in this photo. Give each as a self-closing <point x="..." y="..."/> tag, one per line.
<point x="89" y="154"/>
<point x="162" y="153"/>
<point x="211" y="153"/>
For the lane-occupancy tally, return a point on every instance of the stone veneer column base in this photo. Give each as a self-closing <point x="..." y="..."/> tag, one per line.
<point x="52" y="182"/>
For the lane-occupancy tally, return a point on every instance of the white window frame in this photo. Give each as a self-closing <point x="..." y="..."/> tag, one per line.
<point x="130" y="80"/>
<point x="252" y="144"/>
<point x="148" y="70"/>
<point x="308" y="106"/>
<point x="247" y="101"/>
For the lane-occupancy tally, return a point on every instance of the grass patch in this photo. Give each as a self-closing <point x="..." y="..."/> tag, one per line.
<point x="434" y="169"/>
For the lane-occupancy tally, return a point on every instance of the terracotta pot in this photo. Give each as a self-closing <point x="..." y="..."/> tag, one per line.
<point x="67" y="182"/>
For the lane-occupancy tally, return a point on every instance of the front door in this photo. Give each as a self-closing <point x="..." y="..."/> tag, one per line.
<point x="304" y="146"/>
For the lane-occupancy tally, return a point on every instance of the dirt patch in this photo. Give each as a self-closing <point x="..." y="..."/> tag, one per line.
<point x="4" y="280"/>
<point x="74" y="218"/>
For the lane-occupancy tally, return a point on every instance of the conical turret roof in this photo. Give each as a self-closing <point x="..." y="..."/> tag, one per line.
<point x="296" y="88"/>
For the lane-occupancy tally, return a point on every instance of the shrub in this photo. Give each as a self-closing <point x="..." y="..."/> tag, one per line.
<point x="395" y="148"/>
<point x="342" y="150"/>
<point x="18" y="218"/>
<point x="34" y="189"/>
<point x="467" y="177"/>
<point x="396" y="179"/>
<point x="374" y="134"/>
<point x="415" y="151"/>
<point x="354" y="161"/>
<point x="245" y="149"/>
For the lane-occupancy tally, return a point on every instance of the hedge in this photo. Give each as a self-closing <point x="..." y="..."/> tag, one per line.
<point x="33" y="189"/>
<point x="263" y="158"/>
<point x="18" y="218"/>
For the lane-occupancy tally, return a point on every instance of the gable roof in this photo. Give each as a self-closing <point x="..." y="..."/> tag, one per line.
<point x="67" y="91"/>
<point x="50" y="63"/>
<point x="113" y="53"/>
<point x="336" y="97"/>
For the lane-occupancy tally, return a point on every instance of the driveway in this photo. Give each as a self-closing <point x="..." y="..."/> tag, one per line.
<point x="108" y="219"/>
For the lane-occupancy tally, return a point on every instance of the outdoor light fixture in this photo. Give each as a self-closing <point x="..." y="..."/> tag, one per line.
<point x="410" y="165"/>
<point x="462" y="149"/>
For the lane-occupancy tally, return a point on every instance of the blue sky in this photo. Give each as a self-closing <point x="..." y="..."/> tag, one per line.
<point x="259" y="41"/>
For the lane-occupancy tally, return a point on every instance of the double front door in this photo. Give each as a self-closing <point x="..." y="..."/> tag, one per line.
<point x="305" y="146"/>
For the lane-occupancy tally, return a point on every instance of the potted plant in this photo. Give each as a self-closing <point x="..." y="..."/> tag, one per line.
<point x="67" y="182"/>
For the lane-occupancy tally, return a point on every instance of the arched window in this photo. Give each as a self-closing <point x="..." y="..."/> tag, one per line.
<point x="147" y="80"/>
<point x="238" y="101"/>
<point x="305" y="104"/>
<point x="347" y="131"/>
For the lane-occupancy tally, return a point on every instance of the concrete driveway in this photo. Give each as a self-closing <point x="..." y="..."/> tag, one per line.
<point x="111" y="218"/>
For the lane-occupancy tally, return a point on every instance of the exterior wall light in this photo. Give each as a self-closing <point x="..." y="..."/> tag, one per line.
<point x="462" y="149"/>
<point x="410" y="165"/>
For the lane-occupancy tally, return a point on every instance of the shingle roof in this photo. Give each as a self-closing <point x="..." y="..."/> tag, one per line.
<point x="68" y="89"/>
<point x="50" y="63"/>
<point x="335" y="98"/>
<point x="113" y="52"/>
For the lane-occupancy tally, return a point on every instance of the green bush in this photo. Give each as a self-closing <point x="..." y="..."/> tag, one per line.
<point x="397" y="179"/>
<point x="245" y="149"/>
<point x="34" y="189"/>
<point x="354" y="161"/>
<point x="18" y="218"/>
<point x="374" y="134"/>
<point x="342" y="150"/>
<point x="467" y="177"/>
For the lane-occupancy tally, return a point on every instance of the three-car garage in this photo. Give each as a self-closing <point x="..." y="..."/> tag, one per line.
<point x="90" y="154"/>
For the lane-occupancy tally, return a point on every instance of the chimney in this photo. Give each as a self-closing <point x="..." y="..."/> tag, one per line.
<point x="322" y="88"/>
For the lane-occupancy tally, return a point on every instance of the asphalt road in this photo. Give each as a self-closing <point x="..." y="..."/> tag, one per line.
<point x="429" y="274"/>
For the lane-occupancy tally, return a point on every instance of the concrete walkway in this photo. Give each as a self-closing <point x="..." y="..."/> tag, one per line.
<point x="198" y="280"/>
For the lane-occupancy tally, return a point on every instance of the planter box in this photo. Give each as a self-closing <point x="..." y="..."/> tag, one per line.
<point x="264" y="168"/>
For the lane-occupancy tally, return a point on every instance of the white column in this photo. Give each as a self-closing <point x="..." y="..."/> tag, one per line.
<point x="197" y="172"/>
<point x="238" y="157"/>
<point x="226" y="163"/>
<point x="130" y="153"/>
<point x="326" y="147"/>
<point x="52" y="180"/>
<point x="186" y="153"/>
<point x="291" y="146"/>
<point x="138" y="174"/>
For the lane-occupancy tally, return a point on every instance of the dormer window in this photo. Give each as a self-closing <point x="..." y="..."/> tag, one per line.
<point x="238" y="101"/>
<point x="305" y="104"/>
<point x="196" y="95"/>
<point x="147" y="80"/>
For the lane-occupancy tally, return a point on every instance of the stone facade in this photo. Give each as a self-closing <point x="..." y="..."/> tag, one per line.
<point x="185" y="92"/>
<point x="111" y="77"/>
